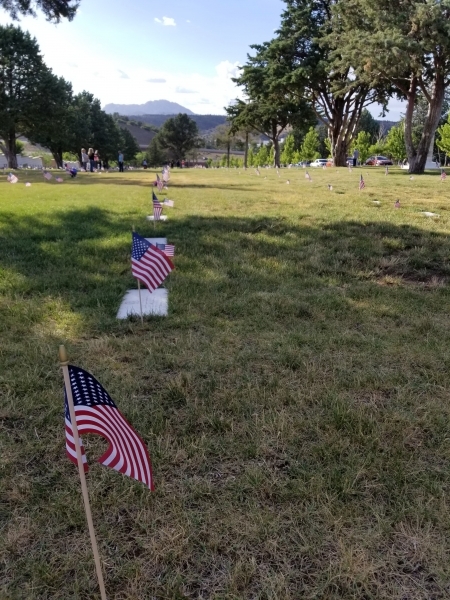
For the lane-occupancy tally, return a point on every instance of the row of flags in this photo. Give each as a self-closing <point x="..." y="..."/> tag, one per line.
<point x="95" y="411"/>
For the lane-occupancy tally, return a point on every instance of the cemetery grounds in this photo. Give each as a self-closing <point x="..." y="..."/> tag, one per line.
<point x="295" y="402"/>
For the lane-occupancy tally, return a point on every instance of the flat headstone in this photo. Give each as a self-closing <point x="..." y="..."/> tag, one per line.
<point x="152" y="218"/>
<point x="155" y="303"/>
<point x="155" y="241"/>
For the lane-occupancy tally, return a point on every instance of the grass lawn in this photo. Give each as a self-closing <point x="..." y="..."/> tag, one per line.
<point x="295" y="401"/>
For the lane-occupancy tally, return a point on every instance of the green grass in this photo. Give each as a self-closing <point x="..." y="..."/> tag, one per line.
<point x="295" y="401"/>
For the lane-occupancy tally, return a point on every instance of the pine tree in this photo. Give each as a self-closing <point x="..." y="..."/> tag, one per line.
<point x="309" y="148"/>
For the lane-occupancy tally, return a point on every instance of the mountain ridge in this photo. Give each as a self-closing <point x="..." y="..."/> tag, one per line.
<point x="152" y="107"/>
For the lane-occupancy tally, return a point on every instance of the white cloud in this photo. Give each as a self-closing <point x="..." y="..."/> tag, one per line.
<point x="122" y="74"/>
<point x="183" y="90"/>
<point x="166" y="21"/>
<point x="187" y="21"/>
<point x="156" y="80"/>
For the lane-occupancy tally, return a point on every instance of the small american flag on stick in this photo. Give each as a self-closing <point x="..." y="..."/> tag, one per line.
<point x="95" y="412"/>
<point x="362" y="185"/>
<point x="308" y="176"/>
<point x="12" y="178"/>
<point x="168" y="249"/>
<point x="159" y="183"/>
<point x="47" y="175"/>
<point x="157" y="207"/>
<point x="443" y="175"/>
<point x="148" y="263"/>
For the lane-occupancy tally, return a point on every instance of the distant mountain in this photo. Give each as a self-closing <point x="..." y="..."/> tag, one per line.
<point x="153" y="107"/>
<point x="204" y="122"/>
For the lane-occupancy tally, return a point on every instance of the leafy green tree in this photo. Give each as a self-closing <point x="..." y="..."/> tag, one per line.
<point x="23" y="82"/>
<point x="405" y="45"/>
<point x="262" y="158"/>
<point x="53" y="133"/>
<point x="395" y="142"/>
<point x="443" y="141"/>
<point x="307" y="67"/>
<point x="369" y="124"/>
<point x="128" y="145"/>
<point x="362" y="143"/>
<point x="54" y="10"/>
<point x="250" y="158"/>
<point x="178" y="136"/>
<point x="20" y="147"/>
<point x="287" y="154"/>
<point x="155" y="154"/>
<point x="309" y="148"/>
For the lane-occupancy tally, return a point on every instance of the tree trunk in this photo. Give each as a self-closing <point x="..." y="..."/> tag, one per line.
<point x="9" y="149"/>
<point x="57" y="155"/>
<point x="246" y="150"/>
<point x="417" y="157"/>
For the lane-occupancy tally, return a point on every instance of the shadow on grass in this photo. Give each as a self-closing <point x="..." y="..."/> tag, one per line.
<point x="83" y="257"/>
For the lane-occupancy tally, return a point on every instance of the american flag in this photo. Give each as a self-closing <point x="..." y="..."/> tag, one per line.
<point x="443" y="175"/>
<point x="59" y="179"/>
<point x="159" y="183"/>
<point x="166" y="175"/>
<point x="257" y="171"/>
<point x="95" y="412"/>
<point x="308" y="176"/>
<point x="170" y="203"/>
<point x="148" y="263"/>
<point x="47" y="175"/>
<point x="168" y="249"/>
<point x="157" y="207"/>
<point x="386" y="171"/>
<point x="362" y="185"/>
<point x="12" y="178"/>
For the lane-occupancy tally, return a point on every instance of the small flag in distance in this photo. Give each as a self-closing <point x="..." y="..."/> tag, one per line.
<point x="157" y="207"/>
<point x="12" y="178"/>
<point x="397" y="204"/>
<point x="47" y="175"/>
<point x="168" y="249"/>
<point x="362" y="185"/>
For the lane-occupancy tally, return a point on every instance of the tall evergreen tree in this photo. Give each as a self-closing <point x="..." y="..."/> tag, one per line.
<point x="178" y="135"/>
<point x="306" y="67"/>
<point x="403" y="44"/>
<point x="24" y="79"/>
<point x="54" y="10"/>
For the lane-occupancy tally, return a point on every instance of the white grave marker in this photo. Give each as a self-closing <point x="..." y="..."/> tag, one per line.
<point x="155" y="303"/>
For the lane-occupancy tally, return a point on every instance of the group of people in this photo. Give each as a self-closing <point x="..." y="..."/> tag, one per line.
<point x="90" y="160"/>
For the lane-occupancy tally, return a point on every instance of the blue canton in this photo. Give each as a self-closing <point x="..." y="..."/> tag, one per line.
<point x="86" y="391"/>
<point x="140" y="246"/>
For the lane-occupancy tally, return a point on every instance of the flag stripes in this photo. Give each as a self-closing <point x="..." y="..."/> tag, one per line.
<point x="95" y="412"/>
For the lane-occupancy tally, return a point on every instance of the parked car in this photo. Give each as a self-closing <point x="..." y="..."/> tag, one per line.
<point x="379" y="161"/>
<point x="320" y="162"/>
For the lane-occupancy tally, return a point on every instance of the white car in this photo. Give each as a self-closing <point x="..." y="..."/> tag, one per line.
<point x="319" y="162"/>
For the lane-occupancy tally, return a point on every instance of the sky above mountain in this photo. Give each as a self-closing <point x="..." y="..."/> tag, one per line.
<point x="185" y="52"/>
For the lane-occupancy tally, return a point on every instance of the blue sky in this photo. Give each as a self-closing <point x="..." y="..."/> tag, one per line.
<point x="183" y="51"/>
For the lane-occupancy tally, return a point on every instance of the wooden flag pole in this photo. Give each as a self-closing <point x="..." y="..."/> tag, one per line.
<point x="140" y="299"/>
<point x="64" y="361"/>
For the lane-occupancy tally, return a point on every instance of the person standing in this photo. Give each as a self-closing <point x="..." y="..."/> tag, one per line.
<point x="97" y="161"/>
<point x="355" y="157"/>
<point x="120" y="161"/>
<point x="91" y="159"/>
<point x="84" y="159"/>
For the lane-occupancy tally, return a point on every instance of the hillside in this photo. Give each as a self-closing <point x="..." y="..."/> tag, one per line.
<point x="153" y="107"/>
<point x="204" y="122"/>
<point x="142" y="136"/>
